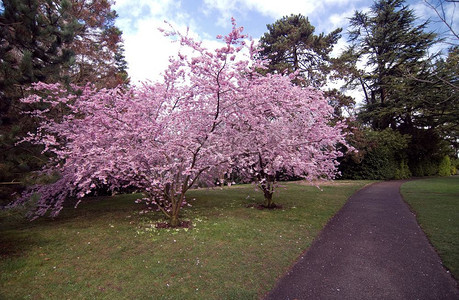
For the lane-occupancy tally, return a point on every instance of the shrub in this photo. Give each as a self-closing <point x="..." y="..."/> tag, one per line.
<point x="454" y="166"/>
<point x="403" y="172"/>
<point x="425" y="168"/>
<point x="381" y="156"/>
<point x="444" y="169"/>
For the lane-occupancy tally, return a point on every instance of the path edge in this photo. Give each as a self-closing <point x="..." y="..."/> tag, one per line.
<point x="297" y="260"/>
<point x="447" y="270"/>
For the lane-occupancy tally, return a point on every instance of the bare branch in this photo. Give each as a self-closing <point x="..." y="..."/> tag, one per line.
<point x="442" y="14"/>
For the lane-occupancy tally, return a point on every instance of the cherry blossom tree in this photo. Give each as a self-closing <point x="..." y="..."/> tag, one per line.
<point x="285" y="129"/>
<point x="159" y="138"/>
<point x="212" y="113"/>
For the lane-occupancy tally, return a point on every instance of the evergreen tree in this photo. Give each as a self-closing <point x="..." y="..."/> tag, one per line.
<point x="98" y="45"/>
<point x="405" y="88"/>
<point x="290" y="45"/>
<point x="35" y="39"/>
<point x="35" y="44"/>
<point x="65" y="41"/>
<point x="441" y="88"/>
<point x="121" y="64"/>
<point x="434" y="99"/>
<point x="392" y="45"/>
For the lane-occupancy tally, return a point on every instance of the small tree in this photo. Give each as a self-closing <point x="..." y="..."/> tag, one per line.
<point x="285" y="129"/>
<point x="444" y="169"/>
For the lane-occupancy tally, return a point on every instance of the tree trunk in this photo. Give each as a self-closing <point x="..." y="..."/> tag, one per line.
<point x="176" y="203"/>
<point x="174" y="221"/>
<point x="295" y="59"/>
<point x="269" y="203"/>
<point x="268" y="189"/>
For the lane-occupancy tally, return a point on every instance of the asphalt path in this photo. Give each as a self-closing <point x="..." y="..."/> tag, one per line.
<point x="373" y="248"/>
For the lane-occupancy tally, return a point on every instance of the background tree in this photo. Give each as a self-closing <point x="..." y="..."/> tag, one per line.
<point x="98" y="47"/>
<point x="392" y="45"/>
<point x="382" y="155"/>
<point x="285" y="130"/>
<point x="405" y="89"/>
<point x="445" y="12"/>
<point x="441" y="81"/>
<point x="290" y="45"/>
<point x="435" y="99"/>
<point x="66" y="41"/>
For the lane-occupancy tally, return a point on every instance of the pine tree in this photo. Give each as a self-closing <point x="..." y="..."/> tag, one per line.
<point x="290" y="45"/>
<point x="392" y="45"/>
<point x="98" y="45"/>
<point x="405" y="88"/>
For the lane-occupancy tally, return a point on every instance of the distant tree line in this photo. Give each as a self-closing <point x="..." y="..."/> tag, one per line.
<point x="408" y="124"/>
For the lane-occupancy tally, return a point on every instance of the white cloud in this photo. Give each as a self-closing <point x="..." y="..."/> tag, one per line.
<point x="274" y="8"/>
<point x="270" y="8"/>
<point x="147" y="50"/>
<point x="340" y="46"/>
<point x="341" y="19"/>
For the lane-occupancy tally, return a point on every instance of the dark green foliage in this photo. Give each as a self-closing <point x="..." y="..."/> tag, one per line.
<point x="121" y="64"/>
<point x="425" y="168"/>
<point x="444" y="169"/>
<point x="15" y="161"/>
<point x="393" y="47"/>
<point x="425" y="151"/>
<point x="290" y="45"/>
<point x="437" y="94"/>
<point x="403" y="172"/>
<point x="404" y="88"/>
<point x="454" y="166"/>
<point x="382" y="155"/>
<point x="35" y="46"/>
<point x="36" y="39"/>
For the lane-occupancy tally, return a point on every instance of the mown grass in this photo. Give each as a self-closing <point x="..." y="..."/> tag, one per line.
<point x="107" y="249"/>
<point x="436" y="204"/>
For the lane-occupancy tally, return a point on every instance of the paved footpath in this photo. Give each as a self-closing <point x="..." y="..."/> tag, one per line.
<point x="372" y="249"/>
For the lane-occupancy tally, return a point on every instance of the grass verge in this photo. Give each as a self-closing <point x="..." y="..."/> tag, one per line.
<point x="436" y="204"/>
<point x="108" y="249"/>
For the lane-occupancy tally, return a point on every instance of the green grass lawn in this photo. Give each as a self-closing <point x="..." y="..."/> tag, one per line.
<point x="436" y="204"/>
<point x="107" y="249"/>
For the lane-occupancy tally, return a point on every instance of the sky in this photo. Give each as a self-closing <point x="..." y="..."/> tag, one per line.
<point x="147" y="50"/>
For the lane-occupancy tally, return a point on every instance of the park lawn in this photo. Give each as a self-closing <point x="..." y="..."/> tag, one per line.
<point x="436" y="204"/>
<point x="107" y="249"/>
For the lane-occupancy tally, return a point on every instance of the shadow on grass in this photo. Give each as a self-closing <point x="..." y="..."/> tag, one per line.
<point x="16" y="245"/>
<point x="18" y="234"/>
<point x="96" y="207"/>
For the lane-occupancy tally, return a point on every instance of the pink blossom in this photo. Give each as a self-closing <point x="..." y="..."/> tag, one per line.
<point x="212" y="114"/>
